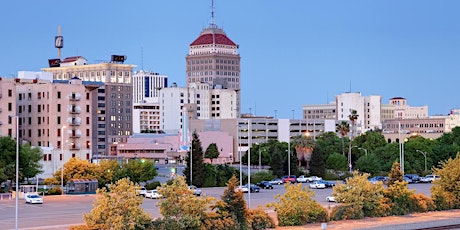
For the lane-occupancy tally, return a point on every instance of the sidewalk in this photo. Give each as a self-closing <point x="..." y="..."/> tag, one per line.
<point x="412" y="221"/>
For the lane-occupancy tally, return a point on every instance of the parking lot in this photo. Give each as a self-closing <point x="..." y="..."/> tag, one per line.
<point x="60" y="212"/>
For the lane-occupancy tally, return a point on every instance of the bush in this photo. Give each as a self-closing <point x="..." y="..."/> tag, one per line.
<point x="347" y="212"/>
<point x="421" y="203"/>
<point x="296" y="207"/>
<point x="261" y="176"/>
<point x="445" y="192"/>
<point x="259" y="219"/>
<point x="54" y="191"/>
<point x="153" y="185"/>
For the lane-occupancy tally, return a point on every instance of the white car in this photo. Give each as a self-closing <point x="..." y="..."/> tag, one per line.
<point x="302" y="179"/>
<point x="153" y="194"/>
<point x="243" y="188"/>
<point x="196" y="191"/>
<point x="429" y="178"/>
<point x="330" y="199"/>
<point x="317" y="184"/>
<point x="313" y="178"/>
<point x="33" y="198"/>
<point x="141" y="191"/>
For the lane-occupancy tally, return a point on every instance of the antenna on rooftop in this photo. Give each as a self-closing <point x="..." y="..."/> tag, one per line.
<point x="212" y="14"/>
<point x="142" y="58"/>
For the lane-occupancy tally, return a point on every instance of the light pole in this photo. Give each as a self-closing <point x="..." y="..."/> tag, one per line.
<point x="289" y="155"/>
<point x="62" y="159"/>
<point x="260" y="159"/>
<point x="16" y="197"/>
<point x="365" y="150"/>
<point x="249" y="163"/>
<point x="424" y="154"/>
<point x="239" y="155"/>
<point x="191" y="161"/>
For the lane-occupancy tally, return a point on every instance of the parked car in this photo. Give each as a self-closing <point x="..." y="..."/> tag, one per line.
<point x="292" y="179"/>
<point x="414" y="177"/>
<point x="254" y="188"/>
<point x="33" y="198"/>
<point x="317" y="184"/>
<point x="276" y="181"/>
<point x="429" y="178"/>
<point x="196" y="191"/>
<point x="302" y="179"/>
<point x="313" y="178"/>
<point x="329" y="184"/>
<point x="153" y="194"/>
<point x="330" y="199"/>
<point x="407" y="179"/>
<point x="380" y="178"/>
<point x="242" y="188"/>
<point x="265" y="185"/>
<point x="141" y="191"/>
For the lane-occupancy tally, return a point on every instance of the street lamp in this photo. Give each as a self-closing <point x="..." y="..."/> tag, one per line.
<point x="17" y="173"/>
<point x="424" y="154"/>
<point x="62" y="159"/>
<point x="249" y="163"/>
<point x="365" y="150"/>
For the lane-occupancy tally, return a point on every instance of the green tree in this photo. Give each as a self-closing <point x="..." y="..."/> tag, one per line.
<point x="118" y="208"/>
<point x="343" y="128"/>
<point x="297" y="207"/>
<point x="29" y="161"/>
<point x="276" y="164"/>
<point x="232" y="204"/>
<point x="328" y="143"/>
<point x="368" y="164"/>
<point x="211" y="175"/>
<point x="336" y="162"/>
<point x="317" y="165"/>
<point x="223" y="173"/>
<point x="212" y="152"/>
<point x="197" y="163"/>
<point x="139" y="170"/>
<point x="352" y="117"/>
<point x="108" y="172"/>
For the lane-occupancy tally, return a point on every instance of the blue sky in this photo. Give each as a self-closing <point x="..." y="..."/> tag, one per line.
<point x="293" y="53"/>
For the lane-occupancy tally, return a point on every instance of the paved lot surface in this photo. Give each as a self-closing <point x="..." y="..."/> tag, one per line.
<point x="60" y="212"/>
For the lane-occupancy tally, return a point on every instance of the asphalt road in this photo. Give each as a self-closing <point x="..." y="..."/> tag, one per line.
<point x="60" y="212"/>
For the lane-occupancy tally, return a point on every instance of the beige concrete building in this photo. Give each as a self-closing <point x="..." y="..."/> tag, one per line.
<point x="112" y="105"/>
<point x="213" y="58"/>
<point x="56" y="116"/>
<point x="403" y="110"/>
<point x="8" y="107"/>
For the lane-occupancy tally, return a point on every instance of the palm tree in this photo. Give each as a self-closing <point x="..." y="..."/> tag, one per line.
<point x="343" y="128"/>
<point x="353" y="117"/>
<point x="304" y="146"/>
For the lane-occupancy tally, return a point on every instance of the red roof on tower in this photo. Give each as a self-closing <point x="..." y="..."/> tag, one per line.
<point x="207" y="38"/>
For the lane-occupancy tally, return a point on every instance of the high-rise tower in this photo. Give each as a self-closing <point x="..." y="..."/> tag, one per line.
<point x="213" y="58"/>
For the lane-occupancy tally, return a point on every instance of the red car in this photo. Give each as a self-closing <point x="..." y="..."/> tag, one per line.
<point x="292" y="179"/>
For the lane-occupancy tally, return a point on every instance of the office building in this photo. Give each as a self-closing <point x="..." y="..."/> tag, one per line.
<point x="114" y="102"/>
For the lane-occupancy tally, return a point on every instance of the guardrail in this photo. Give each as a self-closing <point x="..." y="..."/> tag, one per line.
<point x="6" y="196"/>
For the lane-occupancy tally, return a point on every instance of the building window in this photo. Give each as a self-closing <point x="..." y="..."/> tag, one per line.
<point x="59" y="107"/>
<point x="59" y="94"/>
<point x="10" y="93"/>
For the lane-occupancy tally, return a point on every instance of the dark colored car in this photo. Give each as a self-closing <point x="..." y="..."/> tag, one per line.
<point x="265" y="185"/>
<point x="254" y="188"/>
<point x="414" y="177"/>
<point x="380" y="178"/>
<point x="291" y="178"/>
<point x="328" y="184"/>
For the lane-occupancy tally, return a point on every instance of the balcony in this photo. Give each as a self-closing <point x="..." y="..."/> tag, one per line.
<point x="75" y="110"/>
<point x="74" y="97"/>
<point x="74" y="121"/>
<point x="74" y="134"/>
<point x="74" y="146"/>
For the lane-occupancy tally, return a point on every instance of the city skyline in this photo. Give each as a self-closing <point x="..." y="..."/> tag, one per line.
<point x="293" y="54"/>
